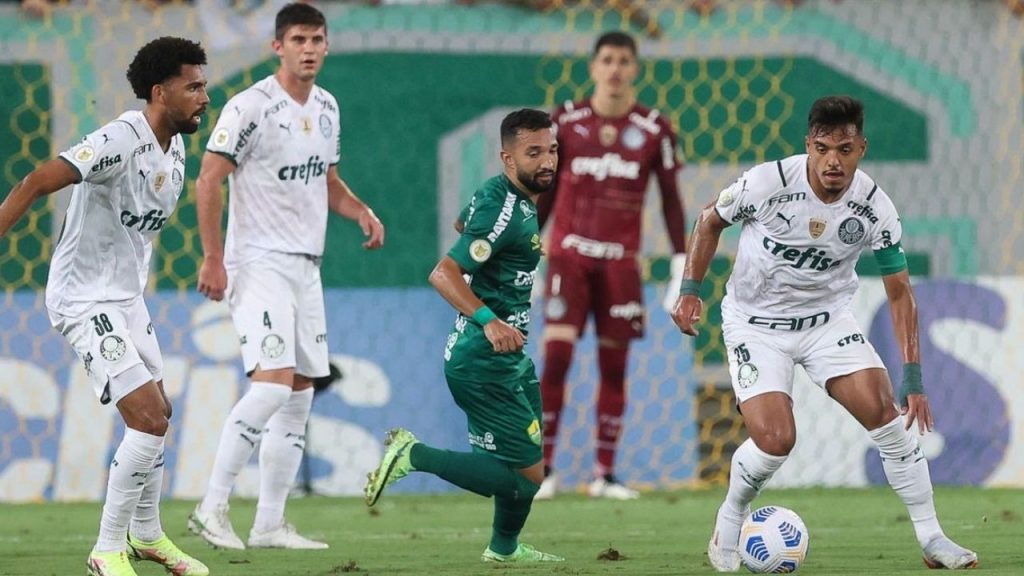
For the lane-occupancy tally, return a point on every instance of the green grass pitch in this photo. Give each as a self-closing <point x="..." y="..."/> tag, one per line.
<point x="853" y="532"/>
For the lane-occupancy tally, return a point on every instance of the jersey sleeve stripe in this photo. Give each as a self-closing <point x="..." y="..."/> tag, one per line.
<point x="229" y="157"/>
<point x="72" y="164"/>
<point x="778" y="164"/>
<point x="130" y="126"/>
<point x="872" y="193"/>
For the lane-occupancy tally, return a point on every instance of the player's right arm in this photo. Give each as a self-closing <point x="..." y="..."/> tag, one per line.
<point x="51" y="176"/>
<point x="213" y="278"/>
<point x="740" y="201"/>
<point x="449" y="280"/>
<point x="703" y="244"/>
<point x="480" y="240"/>
<point x="96" y="158"/>
<point x="232" y="140"/>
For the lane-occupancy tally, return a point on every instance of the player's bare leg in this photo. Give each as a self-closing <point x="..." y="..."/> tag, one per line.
<point x="769" y="421"/>
<point x="867" y="395"/>
<point x="559" y="345"/>
<point x="612" y="359"/>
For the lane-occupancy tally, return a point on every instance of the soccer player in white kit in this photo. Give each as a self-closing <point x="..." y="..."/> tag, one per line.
<point x="128" y="176"/>
<point x="278" y="144"/>
<point x="805" y="220"/>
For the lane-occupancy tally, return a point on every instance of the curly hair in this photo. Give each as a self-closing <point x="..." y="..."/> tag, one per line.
<point x="162" y="59"/>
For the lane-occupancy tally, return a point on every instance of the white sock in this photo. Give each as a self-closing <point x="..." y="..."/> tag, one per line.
<point x="751" y="470"/>
<point x="146" y="521"/>
<point x="280" y="457"/>
<point x="129" y="472"/>
<point x="907" y="471"/>
<point x="242" y="431"/>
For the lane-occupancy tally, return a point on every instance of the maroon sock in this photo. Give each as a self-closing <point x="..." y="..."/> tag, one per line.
<point x="557" y="359"/>
<point x="611" y="405"/>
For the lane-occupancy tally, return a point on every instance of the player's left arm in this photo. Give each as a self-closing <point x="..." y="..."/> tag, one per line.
<point x="886" y="237"/>
<point x="667" y="165"/>
<point x="48" y="178"/>
<point x="343" y="201"/>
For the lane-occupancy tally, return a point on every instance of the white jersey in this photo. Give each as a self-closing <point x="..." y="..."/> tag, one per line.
<point x="128" y="189"/>
<point x="281" y="150"/>
<point x="797" y="254"/>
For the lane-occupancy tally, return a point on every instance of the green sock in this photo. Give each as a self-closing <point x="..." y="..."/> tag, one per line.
<point x="509" y="518"/>
<point x="478" y="473"/>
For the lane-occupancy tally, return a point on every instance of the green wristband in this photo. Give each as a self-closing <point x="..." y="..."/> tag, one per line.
<point x="483" y="315"/>
<point x="911" y="381"/>
<point x="689" y="287"/>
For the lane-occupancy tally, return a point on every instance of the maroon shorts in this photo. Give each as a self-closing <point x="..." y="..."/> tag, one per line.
<point x="611" y="289"/>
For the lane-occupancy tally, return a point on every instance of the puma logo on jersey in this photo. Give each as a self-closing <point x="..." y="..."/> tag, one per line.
<point x="313" y="168"/>
<point x="788" y="221"/>
<point x="810" y="257"/>
<point x="152" y="220"/>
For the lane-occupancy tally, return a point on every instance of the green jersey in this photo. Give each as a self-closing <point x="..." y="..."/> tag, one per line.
<point x="499" y="248"/>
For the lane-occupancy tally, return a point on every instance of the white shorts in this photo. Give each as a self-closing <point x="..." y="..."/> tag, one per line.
<point x="277" y="306"/>
<point x="117" y="345"/>
<point x="762" y="354"/>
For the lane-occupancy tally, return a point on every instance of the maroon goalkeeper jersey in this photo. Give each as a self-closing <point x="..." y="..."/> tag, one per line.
<point x="604" y="168"/>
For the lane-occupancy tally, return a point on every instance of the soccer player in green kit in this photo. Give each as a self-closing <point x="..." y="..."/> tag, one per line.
<point x="489" y="374"/>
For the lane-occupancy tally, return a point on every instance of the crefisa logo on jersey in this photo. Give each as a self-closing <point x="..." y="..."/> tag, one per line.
<point x="851" y="230"/>
<point x="151" y="221"/>
<point x="106" y="162"/>
<point x="313" y="168"/>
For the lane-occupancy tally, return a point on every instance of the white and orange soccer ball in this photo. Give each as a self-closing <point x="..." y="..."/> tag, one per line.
<point x="773" y="540"/>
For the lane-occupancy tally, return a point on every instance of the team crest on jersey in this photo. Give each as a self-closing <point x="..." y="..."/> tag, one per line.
<point x="112" y="348"/>
<point x="851" y="230"/>
<point x="817" y="227"/>
<point x="272" y="346"/>
<point x="85" y="153"/>
<point x="607" y="134"/>
<point x="325" y="126"/>
<point x="633" y="138"/>
<point x="555" y="308"/>
<point x="746" y="375"/>
<point x="528" y="212"/>
<point x="176" y="177"/>
<point x="221" y="137"/>
<point x="480" y="250"/>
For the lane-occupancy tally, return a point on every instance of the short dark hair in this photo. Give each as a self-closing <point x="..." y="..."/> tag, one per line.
<point x="833" y="112"/>
<point x="161" y="59"/>
<point x="523" y="119"/>
<point x="615" y="38"/>
<point x="297" y="14"/>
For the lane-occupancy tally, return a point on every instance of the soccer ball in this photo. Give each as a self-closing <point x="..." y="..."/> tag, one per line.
<point x="773" y="540"/>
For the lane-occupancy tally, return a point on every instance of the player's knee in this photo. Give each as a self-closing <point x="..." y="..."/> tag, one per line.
<point x="151" y="421"/>
<point x="560" y="332"/>
<point x="527" y="486"/>
<point x="776" y="442"/>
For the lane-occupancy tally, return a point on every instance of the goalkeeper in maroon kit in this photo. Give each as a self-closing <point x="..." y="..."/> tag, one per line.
<point x="609" y="147"/>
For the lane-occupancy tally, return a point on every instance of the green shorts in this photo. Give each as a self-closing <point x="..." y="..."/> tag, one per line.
<point x="504" y="417"/>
